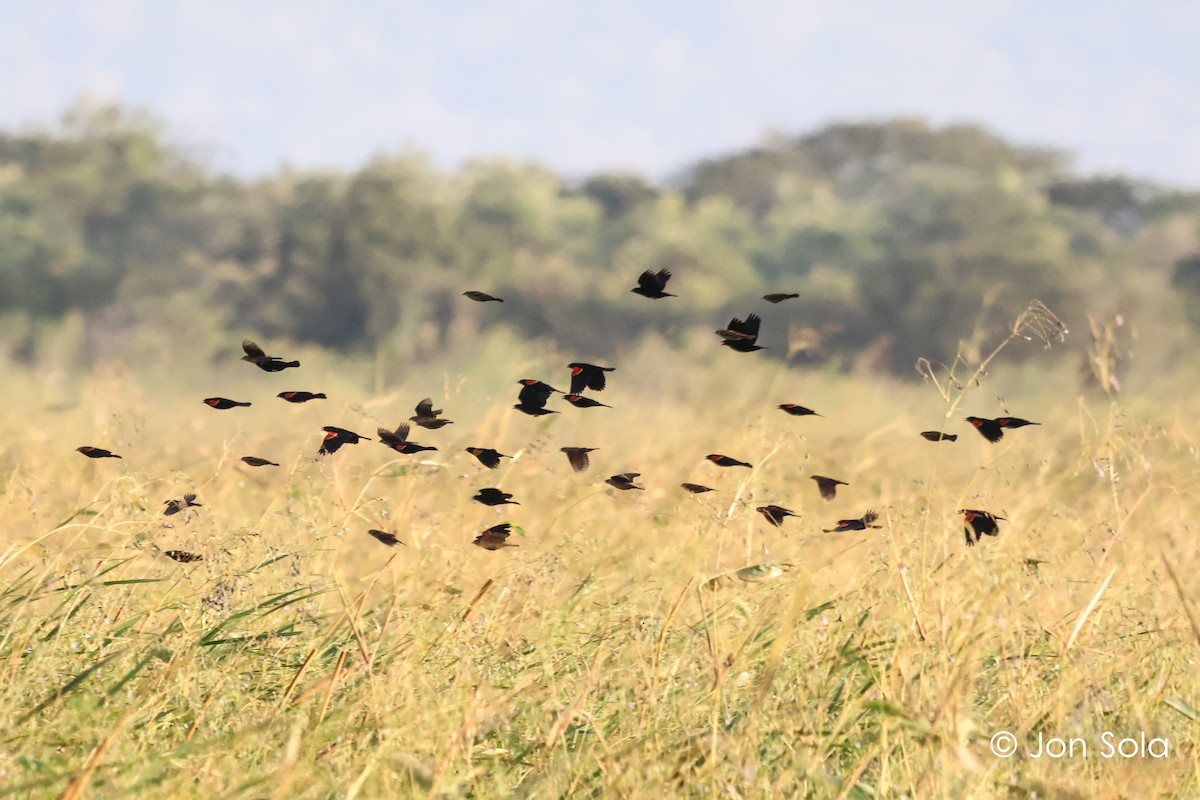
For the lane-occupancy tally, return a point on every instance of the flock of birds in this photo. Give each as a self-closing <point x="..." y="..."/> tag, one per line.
<point x="741" y="335"/>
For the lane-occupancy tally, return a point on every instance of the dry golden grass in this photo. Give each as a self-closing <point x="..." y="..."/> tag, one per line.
<point x="635" y="643"/>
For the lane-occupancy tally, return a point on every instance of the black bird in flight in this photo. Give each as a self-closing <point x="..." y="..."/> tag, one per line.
<point x="482" y="297"/>
<point x="301" y="397"/>
<point x="981" y="523"/>
<point x="797" y="411"/>
<point x="578" y="457"/>
<point x="495" y="537"/>
<point x="624" y="481"/>
<point x="487" y="456"/>
<point x="742" y="336"/>
<point x="697" y="488"/>
<point x="182" y="556"/>
<point x="175" y="506"/>
<point x="779" y="298"/>
<point x="336" y="437"/>
<point x="860" y="524"/>
<point x="587" y="376"/>
<point x="533" y="396"/>
<point x="96" y="452"/>
<point x="398" y="441"/>
<point x="828" y="486"/>
<point x="429" y="417"/>
<point x="386" y="538"/>
<point x="223" y="403"/>
<point x="993" y="429"/>
<point x="775" y="514"/>
<point x="256" y="356"/>
<point x="651" y="284"/>
<point x="494" y="497"/>
<point x="579" y="401"/>
<point x="255" y="461"/>
<point x="938" y="436"/>
<point x="726" y="461"/>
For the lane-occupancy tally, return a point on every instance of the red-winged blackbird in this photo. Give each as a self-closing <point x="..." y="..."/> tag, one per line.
<point x="387" y="538"/>
<point x="487" y="456"/>
<point x="798" y="411"/>
<point x="301" y="397"/>
<point x="828" y="486"/>
<point x="742" y="335"/>
<point x="779" y="298"/>
<point x="855" y="524"/>
<point x="336" y="437"/>
<point x="427" y="416"/>
<point x="587" y="376"/>
<point x="981" y="523"/>
<point x="494" y="497"/>
<point x="726" y="461"/>
<point x="96" y="452"/>
<point x="255" y="461"/>
<point x="256" y="356"/>
<point x="578" y="457"/>
<point x="482" y="297"/>
<point x="495" y="537"/>
<point x="938" y="436"/>
<point x="398" y="441"/>
<point x="223" y="403"/>
<point x="775" y="514"/>
<point x="988" y="428"/>
<point x="533" y="397"/>
<point x="624" y="481"/>
<point x="696" y="488"/>
<point x="1014" y="422"/>
<point x="579" y="401"/>
<point x="651" y="284"/>
<point x="175" y="506"/>
<point x="182" y="556"/>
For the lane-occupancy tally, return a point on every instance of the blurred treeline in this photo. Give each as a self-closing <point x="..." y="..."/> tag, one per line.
<point x="902" y="240"/>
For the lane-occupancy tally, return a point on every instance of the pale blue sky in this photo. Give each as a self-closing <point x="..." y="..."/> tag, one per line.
<point x="583" y="85"/>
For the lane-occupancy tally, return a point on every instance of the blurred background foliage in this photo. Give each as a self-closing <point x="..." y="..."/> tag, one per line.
<point x="900" y="237"/>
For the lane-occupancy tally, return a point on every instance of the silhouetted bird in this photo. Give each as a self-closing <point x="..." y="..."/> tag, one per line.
<point x="533" y="396"/>
<point x="495" y="537"/>
<point x="255" y="461"/>
<point x="993" y="429"/>
<point x="579" y="401"/>
<point x="775" y="514"/>
<point x="487" y="456"/>
<point x="860" y="524"/>
<point x="980" y="523"/>
<point x="223" y="403"/>
<point x="779" y="298"/>
<point x="726" y="461"/>
<point x="651" y="284"/>
<point x="696" y="488"/>
<point x="398" y="441"/>
<point x="624" y="481"/>
<point x="182" y="556"/>
<point x="336" y="437"/>
<point x="578" y="457"/>
<point x="938" y="436"/>
<point x="96" y="452"/>
<point x="587" y="376"/>
<point x="494" y="497"/>
<point x="301" y="397"/>
<point x="386" y="538"/>
<point x="256" y="356"/>
<point x="1014" y="422"/>
<point x="175" y="506"/>
<point x="742" y="335"/>
<point x="798" y="411"/>
<point x="482" y="297"/>
<point x="828" y="486"/>
<point x="427" y="416"/>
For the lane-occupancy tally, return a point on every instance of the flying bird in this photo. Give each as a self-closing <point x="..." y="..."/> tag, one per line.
<point x="533" y="396"/>
<point x="587" y="376"/>
<point x="175" y="506"/>
<point x="428" y="417"/>
<point x="301" y="397"/>
<point x="938" y="436"/>
<point x="579" y="401"/>
<point x="797" y="411"/>
<point x="993" y="429"/>
<point x="182" y="556"/>
<point x="624" y="481"/>
<point x="336" y="437"/>
<point x="223" y="403"/>
<point x="487" y="456"/>
<point x="386" y="538"/>
<point x="482" y="297"/>
<point x="742" y="336"/>
<point x="981" y="523"/>
<point x="775" y="514"/>
<point x="398" y="441"/>
<point x="860" y="524"/>
<point x="697" y="488"/>
<point x="779" y="298"/>
<point x="495" y="537"/>
<point x="578" y="457"/>
<point x="256" y="356"/>
<point x="96" y="452"/>
<point x="828" y="486"/>
<point x="726" y="461"/>
<point x="651" y="284"/>
<point x="255" y="461"/>
<point x="494" y="497"/>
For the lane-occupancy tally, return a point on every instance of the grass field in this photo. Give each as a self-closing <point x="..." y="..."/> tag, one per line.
<point x="635" y="643"/>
